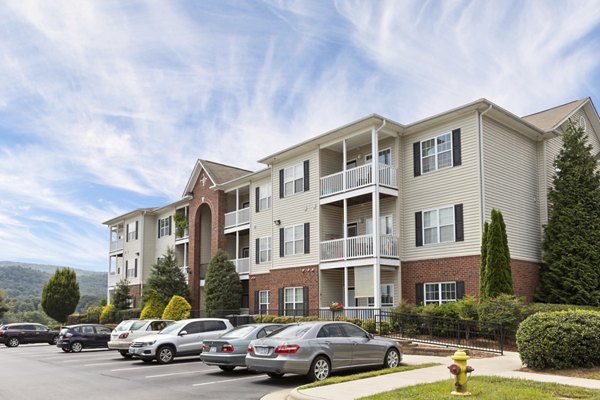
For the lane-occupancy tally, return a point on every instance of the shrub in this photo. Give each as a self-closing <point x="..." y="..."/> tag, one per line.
<point x="76" y="318"/>
<point x="153" y="308"/>
<point x="264" y="318"/>
<point x="108" y="314"/>
<point x="93" y="314"/>
<point x="467" y="308"/>
<point x="369" y="325"/>
<point x="504" y="309"/>
<point x="561" y="339"/>
<point x="543" y="307"/>
<point x="385" y="328"/>
<point x="404" y="307"/>
<point x="130" y="313"/>
<point x="177" y="309"/>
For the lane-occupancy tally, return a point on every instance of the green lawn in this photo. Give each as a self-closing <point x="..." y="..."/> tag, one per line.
<point x="490" y="388"/>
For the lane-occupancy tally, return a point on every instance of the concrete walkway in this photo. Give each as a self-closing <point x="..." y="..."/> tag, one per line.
<point x="505" y="366"/>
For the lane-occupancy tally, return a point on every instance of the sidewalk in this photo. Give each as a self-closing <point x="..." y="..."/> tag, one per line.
<point x="505" y="366"/>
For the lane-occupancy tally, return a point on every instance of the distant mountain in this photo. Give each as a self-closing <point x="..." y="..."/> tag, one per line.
<point x="24" y="280"/>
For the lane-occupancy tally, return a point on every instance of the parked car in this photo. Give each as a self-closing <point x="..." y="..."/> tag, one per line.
<point x="183" y="338"/>
<point x="14" y="334"/>
<point x="75" y="338"/>
<point x="229" y="350"/>
<point x="129" y="330"/>
<point x="318" y="348"/>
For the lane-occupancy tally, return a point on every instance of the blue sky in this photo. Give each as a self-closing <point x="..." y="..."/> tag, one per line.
<point x="106" y="105"/>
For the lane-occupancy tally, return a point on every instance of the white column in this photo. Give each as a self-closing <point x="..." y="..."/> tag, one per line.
<point x="346" y="287"/>
<point x="375" y="216"/>
<point x="237" y="206"/>
<point x="345" y="228"/>
<point x="344" y="161"/>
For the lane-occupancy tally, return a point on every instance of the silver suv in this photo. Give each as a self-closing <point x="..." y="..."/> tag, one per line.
<point x="183" y="338"/>
<point x="131" y="329"/>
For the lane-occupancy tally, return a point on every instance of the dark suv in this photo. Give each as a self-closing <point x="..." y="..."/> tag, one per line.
<point x="74" y="338"/>
<point x="14" y="334"/>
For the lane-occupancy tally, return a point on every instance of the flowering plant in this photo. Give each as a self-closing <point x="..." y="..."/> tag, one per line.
<point x="335" y="306"/>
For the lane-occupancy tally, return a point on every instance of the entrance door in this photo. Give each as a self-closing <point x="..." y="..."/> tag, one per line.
<point x="352" y="229"/>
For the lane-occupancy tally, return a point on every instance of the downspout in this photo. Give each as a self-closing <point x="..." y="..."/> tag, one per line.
<point x="141" y="264"/>
<point x="481" y="166"/>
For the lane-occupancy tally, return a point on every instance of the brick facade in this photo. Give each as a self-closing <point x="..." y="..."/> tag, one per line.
<point x="526" y="277"/>
<point x="135" y="291"/>
<point x="286" y="277"/>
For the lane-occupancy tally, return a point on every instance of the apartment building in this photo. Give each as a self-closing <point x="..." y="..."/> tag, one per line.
<point x="327" y="221"/>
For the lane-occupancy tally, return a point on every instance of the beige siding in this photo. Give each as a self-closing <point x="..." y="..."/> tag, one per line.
<point x="261" y="225"/>
<point x="331" y="162"/>
<point x="360" y="154"/>
<point x="511" y="186"/>
<point x="446" y="187"/>
<point x="332" y="222"/>
<point x="331" y="286"/>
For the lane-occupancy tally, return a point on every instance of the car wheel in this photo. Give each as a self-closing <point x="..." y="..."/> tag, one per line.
<point x="13" y="342"/>
<point x="76" y="347"/>
<point x="392" y="359"/>
<point x="319" y="369"/>
<point x="125" y="354"/>
<point x="227" y="368"/>
<point x="274" y="375"/>
<point x="65" y="350"/>
<point x="53" y="341"/>
<point x="164" y="355"/>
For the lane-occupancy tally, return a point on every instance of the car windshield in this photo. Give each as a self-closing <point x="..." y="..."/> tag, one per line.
<point x="291" y="332"/>
<point x="171" y="329"/>
<point x="238" y="332"/>
<point x="63" y="331"/>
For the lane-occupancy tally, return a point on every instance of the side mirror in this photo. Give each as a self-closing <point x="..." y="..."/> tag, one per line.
<point x="370" y="336"/>
<point x="182" y="333"/>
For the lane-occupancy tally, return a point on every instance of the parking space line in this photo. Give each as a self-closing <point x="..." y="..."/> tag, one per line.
<point x="140" y="367"/>
<point x="103" y="363"/>
<point x="182" y="373"/>
<point x="224" y="380"/>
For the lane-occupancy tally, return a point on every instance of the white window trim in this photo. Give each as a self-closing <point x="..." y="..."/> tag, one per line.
<point x="261" y="303"/>
<point x="265" y="192"/>
<point x="439" y="301"/>
<point x="437" y="226"/>
<point x="294" y="241"/>
<point x="435" y="155"/>
<point x="297" y="305"/>
<point x="268" y="249"/>
<point x="163" y="226"/>
<point x="131" y="231"/>
<point x="293" y="180"/>
<point x="369" y="158"/>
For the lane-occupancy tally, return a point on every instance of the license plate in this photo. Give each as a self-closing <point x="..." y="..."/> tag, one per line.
<point x="212" y="349"/>
<point x="261" y="350"/>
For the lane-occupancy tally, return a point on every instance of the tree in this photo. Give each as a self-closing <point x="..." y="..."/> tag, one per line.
<point x="222" y="285"/>
<point x="3" y="303"/>
<point x="177" y="309"/>
<point x="120" y="297"/>
<point x="482" y="265"/>
<point x="166" y="279"/>
<point x="153" y="307"/>
<point x="570" y="273"/>
<point x="60" y="294"/>
<point x="497" y="273"/>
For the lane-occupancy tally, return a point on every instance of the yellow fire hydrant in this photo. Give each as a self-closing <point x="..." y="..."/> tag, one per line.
<point x="460" y="369"/>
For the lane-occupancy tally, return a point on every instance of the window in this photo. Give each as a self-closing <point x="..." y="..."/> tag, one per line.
<point x="293" y="179"/>
<point x="438" y="293"/>
<point x="385" y="157"/>
<point x="131" y="272"/>
<point x="164" y="227"/>
<point x="132" y="231"/>
<point x="293" y="300"/>
<point x="331" y="330"/>
<point x="438" y="225"/>
<point x="386" y="225"/>
<point x="436" y="153"/>
<point x="263" y="301"/>
<point x="294" y="240"/>
<point x="264" y="249"/>
<point x="387" y="295"/>
<point x="264" y="197"/>
<point x="130" y="302"/>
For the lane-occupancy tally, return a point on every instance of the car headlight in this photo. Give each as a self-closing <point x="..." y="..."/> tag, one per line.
<point x="146" y="344"/>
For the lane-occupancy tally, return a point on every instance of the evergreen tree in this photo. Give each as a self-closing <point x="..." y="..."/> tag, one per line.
<point x="570" y="273"/>
<point x="166" y="279"/>
<point x="60" y="294"/>
<point x="498" y="275"/>
<point x="177" y="309"/>
<point x="3" y="303"/>
<point x="153" y="308"/>
<point x="222" y="286"/>
<point x="120" y="297"/>
<point x="482" y="262"/>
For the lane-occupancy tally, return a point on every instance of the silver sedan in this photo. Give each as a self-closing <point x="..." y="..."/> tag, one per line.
<point x="318" y="348"/>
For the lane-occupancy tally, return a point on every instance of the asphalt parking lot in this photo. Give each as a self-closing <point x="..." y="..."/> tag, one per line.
<point x="41" y="371"/>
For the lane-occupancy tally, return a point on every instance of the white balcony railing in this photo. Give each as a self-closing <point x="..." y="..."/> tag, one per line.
<point x="236" y="218"/>
<point x="357" y="177"/>
<point x="185" y="234"/>
<point x="112" y="279"/>
<point x="357" y="247"/>
<point x="116" y="245"/>
<point x="242" y="265"/>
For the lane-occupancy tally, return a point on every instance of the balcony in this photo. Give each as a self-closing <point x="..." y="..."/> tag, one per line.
<point x="237" y="218"/>
<point x="357" y="177"/>
<point x="358" y="247"/>
<point x="116" y="245"/>
<point x="183" y="238"/>
<point x="112" y="279"/>
<point x="242" y="265"/>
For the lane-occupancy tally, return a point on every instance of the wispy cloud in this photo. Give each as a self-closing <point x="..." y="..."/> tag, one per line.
<point x="106" y="105"/>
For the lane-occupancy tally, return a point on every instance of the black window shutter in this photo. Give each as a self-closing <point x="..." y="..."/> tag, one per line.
<point x="305" y="300"/>
<point x="306" y="176"/>
<point x="281" y="188"/>
<point x="281" y="243"/>
<point x="126" y="268"/>
<point x="170" y="223"/>
<point x="135" y="269"/>
<point x="460" y="290"/>
<point x="307" y="238"/>
<point x="257" y="251"/>
<point x="456" y="153"/>
<point x="127" y="232"/>
<point x="420" y="294"/>
<point x="256" y="301"/>
<point x="281" y="304"/>
<point x="419" y="228"/>
<point x="257" y="199"/>
<point x="459" y="225"/>
<point x="136" y="230"/>
<point x="417" y="158"/>
<point x="158" y="228"/>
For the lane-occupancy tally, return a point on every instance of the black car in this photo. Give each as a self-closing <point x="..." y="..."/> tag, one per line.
<point x="75" y="338"/>
<point x="14" y="334"/>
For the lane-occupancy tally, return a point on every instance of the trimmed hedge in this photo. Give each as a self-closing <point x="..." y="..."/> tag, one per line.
<point x="107" y="315"/>
<point x="177" y="309"/>
<point x="153" y="308"/>
<point x="561" y="339"/>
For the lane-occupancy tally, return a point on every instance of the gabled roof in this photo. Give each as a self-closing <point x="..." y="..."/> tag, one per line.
<point x="217" y="173"/>
<point x="128" y="215"/>
<point x="551" y="119"/>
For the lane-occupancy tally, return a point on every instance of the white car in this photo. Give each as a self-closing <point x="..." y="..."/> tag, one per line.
<point x="183" y="338"/>
<point x="131" y="329"/>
